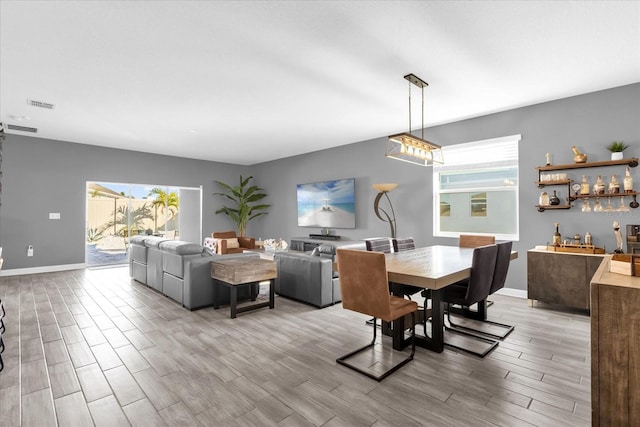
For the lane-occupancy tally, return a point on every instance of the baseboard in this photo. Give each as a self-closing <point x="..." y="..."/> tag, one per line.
<point x="45" y="269"/>
<point x="517" y="293"/>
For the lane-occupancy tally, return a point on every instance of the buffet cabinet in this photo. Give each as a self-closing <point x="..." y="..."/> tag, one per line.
<point x="615" y="348"/>
<point x="560" y="277"/>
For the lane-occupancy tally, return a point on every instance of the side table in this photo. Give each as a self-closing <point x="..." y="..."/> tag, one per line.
<point x="237" y="272"/>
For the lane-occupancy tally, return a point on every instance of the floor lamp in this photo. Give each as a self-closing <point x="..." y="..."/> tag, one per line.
<point x="383" y="190"/>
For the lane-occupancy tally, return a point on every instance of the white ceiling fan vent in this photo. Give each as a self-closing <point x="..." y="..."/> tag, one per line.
<point x="40" y="104"/>
<point x="22" y="128"/>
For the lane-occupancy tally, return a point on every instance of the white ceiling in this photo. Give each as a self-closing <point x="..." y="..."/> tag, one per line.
<point x="246" y="82"/>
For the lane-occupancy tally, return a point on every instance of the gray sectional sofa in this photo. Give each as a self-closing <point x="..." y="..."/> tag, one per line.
<point x="309" y="277"/>
<point x="180" y="270"/>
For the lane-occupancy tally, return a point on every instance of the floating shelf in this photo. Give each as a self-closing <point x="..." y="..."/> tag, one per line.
<point x="632" y="162"/>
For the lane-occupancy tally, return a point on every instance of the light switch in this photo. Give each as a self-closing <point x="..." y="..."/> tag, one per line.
<point x="54" y="215"/>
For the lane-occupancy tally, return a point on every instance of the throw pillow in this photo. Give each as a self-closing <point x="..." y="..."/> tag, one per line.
<point x="233" y="243"/>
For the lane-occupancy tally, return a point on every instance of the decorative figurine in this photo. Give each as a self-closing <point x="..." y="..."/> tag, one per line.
<point x="616" y="231"/>
<point x="578" y="156"/>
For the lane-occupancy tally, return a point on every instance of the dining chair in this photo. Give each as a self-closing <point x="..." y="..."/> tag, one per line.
<point x="378" y="245"/>
<point x="383" y="245"/>
<point x="401" y="245"/>
<point x="405" y="244"/>
<point x="365" y="289"/>
<point x="472" y="290"/>
<point x="473" y="241"/>
<point x="503" y="260"/>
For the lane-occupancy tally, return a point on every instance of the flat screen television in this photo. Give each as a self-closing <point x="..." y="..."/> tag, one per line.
<point x="327" y="204"/>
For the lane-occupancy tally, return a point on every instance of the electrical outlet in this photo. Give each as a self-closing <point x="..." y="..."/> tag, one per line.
<point x="30" y="250"/>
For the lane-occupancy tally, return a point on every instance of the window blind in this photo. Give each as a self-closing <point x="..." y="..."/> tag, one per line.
<point x="497" y="152"/>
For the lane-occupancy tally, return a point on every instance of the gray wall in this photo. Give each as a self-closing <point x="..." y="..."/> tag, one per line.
<point x="42" y="176"/>
<point x="589" y="121"/>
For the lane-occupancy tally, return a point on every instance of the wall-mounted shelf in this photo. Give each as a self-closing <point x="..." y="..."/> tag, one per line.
<point x="632" y="162"/>
<point x="542" y="184"/>
<point x="542" y="208"/>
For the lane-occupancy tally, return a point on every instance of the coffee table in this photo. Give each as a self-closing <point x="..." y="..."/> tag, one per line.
<point x="237" y="272"/>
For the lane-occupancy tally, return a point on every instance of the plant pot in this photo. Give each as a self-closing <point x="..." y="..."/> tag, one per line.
<point x="616" y="155"/>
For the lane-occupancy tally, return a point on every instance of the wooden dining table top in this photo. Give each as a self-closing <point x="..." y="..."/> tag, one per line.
<point x="431" y="267"/>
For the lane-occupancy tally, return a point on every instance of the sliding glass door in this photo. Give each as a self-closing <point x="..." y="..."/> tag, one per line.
<point x="117" y="211"/>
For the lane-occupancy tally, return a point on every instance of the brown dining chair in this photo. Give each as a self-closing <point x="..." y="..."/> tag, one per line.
<point x="503" y="261"/>
<point x="474" y="241"/>
<point x="365" y="289"/>
<point x="472" y="290"/>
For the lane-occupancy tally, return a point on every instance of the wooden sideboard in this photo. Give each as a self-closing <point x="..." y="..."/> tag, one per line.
<point x="615" y="348"/>
<point x="560" y="277"/>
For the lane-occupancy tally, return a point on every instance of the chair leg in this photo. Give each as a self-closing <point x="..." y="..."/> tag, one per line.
<point x="492" y="343"/>
<point x="454" y="327"/>
<point x="343" y="360"/>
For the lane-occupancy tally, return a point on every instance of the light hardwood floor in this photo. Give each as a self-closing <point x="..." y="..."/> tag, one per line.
<point x="95" y="347"/>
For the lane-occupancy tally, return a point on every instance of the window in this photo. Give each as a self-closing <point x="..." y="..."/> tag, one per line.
<point x="476" y="189"/>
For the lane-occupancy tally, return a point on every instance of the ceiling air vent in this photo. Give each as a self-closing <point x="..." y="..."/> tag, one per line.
<point x="40" y="104"/>
<point x="21" y="128"/>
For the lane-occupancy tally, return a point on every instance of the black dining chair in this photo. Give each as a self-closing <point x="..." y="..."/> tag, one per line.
<point x="472" y="290"/>
<point x="401" y="245"/>
<point x="365" y="289"/>
<point x="378" y="245"/>
<point x="503" y="261"/>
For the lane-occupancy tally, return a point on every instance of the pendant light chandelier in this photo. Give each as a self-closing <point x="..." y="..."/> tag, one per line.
<point x="410" y="148"/>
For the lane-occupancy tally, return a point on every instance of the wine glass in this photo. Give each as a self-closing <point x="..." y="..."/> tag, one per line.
<point x="609" y="208"/>
<point x="586" y="206"/>
<point x="623" y="207"/>
<point x="598" y="206"/>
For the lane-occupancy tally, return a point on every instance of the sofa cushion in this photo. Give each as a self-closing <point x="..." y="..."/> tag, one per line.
<point x="233" y="243"/>
<point x="138" y="239"/>
<point x="180" y="247"/>
<point x="153" y="241"/>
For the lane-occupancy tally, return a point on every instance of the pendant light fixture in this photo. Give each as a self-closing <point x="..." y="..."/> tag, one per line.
<point x="410" y="148"/>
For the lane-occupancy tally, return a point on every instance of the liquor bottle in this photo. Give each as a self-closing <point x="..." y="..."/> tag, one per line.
<point x="584" y="186"/>
<point x="544" y="199"/>
<point x="627" y="181"/>
<point x="614" y="185"/>
<point x="588" y="240"/>
<point x="598" y="187"/>
<point x="554" y="200"/>
<point x="556" y="235"/>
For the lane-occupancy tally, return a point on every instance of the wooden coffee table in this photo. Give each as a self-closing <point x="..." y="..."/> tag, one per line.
<point x="237" y="272"/>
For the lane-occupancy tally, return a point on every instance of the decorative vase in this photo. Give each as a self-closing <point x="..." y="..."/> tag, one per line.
<point x="616" y="155"/>
<point x="554" y="200"/>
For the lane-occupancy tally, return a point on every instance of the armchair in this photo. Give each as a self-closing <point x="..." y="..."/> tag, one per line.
<point x="229" y="243"/>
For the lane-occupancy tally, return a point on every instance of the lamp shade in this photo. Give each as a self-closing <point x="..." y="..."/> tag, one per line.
<point x="384" y="188"/>
<point x="412" y="149"/>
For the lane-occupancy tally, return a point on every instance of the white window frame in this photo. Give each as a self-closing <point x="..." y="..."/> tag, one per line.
<point x="474" y="156"/>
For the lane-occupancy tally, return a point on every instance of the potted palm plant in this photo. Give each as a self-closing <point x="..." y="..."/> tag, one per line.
<point x="244" y="207"/>
<point x="616" y="148"/>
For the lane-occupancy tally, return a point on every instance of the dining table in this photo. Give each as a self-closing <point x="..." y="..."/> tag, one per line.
<point x="433" y="268"/>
